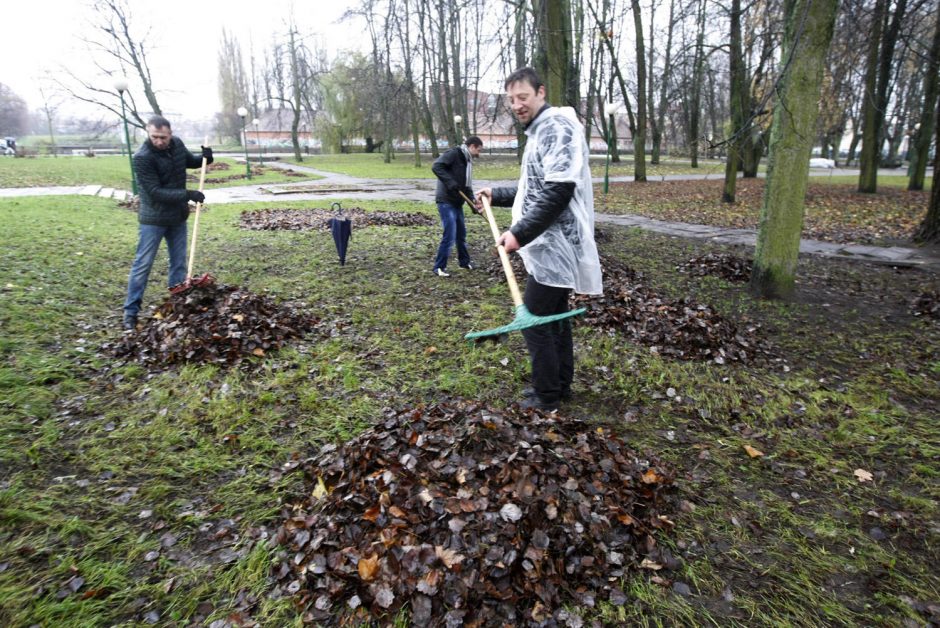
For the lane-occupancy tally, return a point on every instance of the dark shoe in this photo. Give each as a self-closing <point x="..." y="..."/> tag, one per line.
<point x="130" y="323"/>
<point x="537" y="403"/>
<point x="440" y="272"/>
<point x="528" y="391"/>
<point x="469" y="266"/>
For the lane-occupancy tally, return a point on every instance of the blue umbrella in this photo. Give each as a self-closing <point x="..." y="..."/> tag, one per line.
<point x="341" y="229"/>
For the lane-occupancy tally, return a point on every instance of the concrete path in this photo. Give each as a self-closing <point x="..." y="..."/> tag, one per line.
<point x="333" y="186"/>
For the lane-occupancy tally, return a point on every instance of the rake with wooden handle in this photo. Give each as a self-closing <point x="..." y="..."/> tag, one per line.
<point x="523" y="318"/>
<point x="205" y="279"/>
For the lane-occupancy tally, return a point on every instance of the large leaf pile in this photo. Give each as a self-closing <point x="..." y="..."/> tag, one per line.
<point x="468" y="516"/>
<point x="213" y="323"/>
<point x="305" y="219"/>
<point x="724" y="265"/>
<point x="680" y="328"/>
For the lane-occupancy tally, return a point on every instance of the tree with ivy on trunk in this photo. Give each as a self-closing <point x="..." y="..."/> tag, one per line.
<point x="809" y="27"/>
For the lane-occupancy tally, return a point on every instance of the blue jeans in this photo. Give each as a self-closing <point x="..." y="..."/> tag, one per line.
<point x="454" y="231"/>
<point x="147" y="245"/>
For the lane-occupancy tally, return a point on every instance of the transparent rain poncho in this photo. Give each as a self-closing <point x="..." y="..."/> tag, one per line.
<point x="564" y="255"/>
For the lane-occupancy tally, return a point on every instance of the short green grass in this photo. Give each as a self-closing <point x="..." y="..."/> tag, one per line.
<point x="111" y="171"/>
<point x="100" y="461"/>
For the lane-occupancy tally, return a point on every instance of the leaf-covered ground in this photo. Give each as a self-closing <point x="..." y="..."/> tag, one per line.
<point x="833" y="213"/>
<point x="138" y="495"/>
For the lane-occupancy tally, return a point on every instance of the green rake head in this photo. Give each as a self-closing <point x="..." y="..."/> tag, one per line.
<point x="524" y="319"/>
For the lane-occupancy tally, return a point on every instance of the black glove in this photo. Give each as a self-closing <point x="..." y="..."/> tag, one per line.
<point x="207" y="154"/>
<point x="195" y="196"/>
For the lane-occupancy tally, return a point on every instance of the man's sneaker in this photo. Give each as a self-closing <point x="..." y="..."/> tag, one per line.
<point x="537" y="403"/>
<point x="468" y="266"/>
<point x="528" y="391"/>
<point x="129" y="323"/>
<point x="440" y="272"/>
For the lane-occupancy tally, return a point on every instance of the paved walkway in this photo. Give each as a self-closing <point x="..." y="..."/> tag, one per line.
<point x="334" y="185"/>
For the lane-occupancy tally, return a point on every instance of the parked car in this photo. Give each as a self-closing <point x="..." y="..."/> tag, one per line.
<point x="821" y="162"/>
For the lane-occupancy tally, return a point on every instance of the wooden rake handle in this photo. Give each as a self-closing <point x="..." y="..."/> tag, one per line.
<point x="192" y="243"/>
<point x="503" y="255"/>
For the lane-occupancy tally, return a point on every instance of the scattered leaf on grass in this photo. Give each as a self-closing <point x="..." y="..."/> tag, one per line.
<point x="752" y="452"/>
<point x="863" y="475"/>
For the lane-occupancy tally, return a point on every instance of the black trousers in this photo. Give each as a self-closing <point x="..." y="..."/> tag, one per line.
<point x="551" y="349"/>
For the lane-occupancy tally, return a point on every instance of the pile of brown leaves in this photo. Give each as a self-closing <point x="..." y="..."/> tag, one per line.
<point x="472" y="517"/>
<point x="722" y="265"/>
<point x="303" y="219"/>
<point x="216" y="324"/>
<point x="680" y="328"/>
<point x="927" y="304"/>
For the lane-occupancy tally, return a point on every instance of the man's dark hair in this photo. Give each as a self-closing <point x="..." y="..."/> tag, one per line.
<point x="527" y="74"/>
<point x="158" y="122"/>
<point x="473" y="140"/>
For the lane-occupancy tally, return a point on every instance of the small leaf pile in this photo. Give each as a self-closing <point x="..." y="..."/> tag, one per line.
<point x="216" y="324"/>
<point x="927" y="304"/>
<point x="722" y="265"/>
<point x="272" y="219"/>
<point x="680" y="328"/>
<point x="468" y="516"/>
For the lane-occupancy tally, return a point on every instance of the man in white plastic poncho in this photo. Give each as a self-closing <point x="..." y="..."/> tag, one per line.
<point x="553" y="230"/>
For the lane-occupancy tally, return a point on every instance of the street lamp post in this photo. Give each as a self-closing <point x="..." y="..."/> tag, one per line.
<point x="243" y="113"/>
<point x="120" y="84"/>
<point x="256" y="122"/>
<point x="457" y="121"/>
<point x="609" y="110"/>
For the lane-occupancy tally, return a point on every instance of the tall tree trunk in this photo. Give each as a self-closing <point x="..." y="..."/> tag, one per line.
<point x="929" y="230"/>
<point x="663" y="88"/>
<point x="738" y="96"/>
<point x="921" y="148"/>
<point x="868" y="159"/>
<point x="295" y="93"/>
<point x="639" y="138"/>
<point x="871" y="120"/>
<point x="695" y="104"/>
<point x="809" y="26"/>
<point x="554" y="56"/>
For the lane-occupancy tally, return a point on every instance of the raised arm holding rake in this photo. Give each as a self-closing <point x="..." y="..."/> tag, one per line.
<point x="160" y="167"/>
<point x="553" y="230"/>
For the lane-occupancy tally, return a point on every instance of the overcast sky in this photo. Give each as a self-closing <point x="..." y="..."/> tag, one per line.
<point x="40" y="36"/>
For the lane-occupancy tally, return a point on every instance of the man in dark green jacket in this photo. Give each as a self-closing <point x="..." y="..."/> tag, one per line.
<point x="160" y="167"/>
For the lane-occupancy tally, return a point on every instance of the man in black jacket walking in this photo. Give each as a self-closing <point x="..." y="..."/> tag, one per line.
<point x="454" y="169"/>
<point x="160" y="166"/>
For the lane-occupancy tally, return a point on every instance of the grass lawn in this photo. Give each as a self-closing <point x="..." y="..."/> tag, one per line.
<point x="487" y="168"/>
<point x="111" y="171"/>
<point x="131" y="495"/>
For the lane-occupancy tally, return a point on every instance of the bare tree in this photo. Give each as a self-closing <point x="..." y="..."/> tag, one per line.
<point x="117" y="49"/>
<point x="928" y="114"/>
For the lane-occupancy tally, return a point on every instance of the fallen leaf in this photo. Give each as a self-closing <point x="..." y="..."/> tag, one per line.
<point x="449" y="557"/>
<point x="649" y="564"/>
<point x="368" y="567"/>
<point x="863" y="475"/>
<point x="319" y="491"/>
<point x="752" y="452"/>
